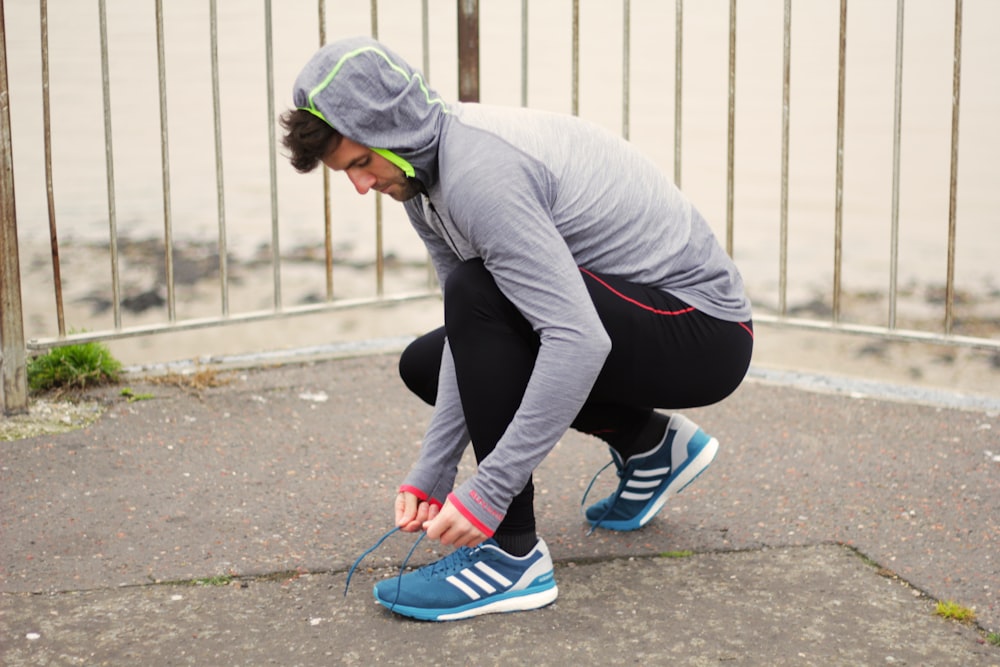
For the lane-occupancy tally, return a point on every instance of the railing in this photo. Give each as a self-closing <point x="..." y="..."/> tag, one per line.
<point x="773" y="303"/>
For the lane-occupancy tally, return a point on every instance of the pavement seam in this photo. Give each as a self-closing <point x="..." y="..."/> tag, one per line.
<point x="279" y="576"/>
<point x="287" y="575"/>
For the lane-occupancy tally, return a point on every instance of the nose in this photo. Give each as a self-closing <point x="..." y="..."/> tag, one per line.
<point x="362" y="180"/>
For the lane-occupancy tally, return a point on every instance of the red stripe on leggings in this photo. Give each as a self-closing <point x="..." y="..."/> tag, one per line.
<point x="639" y="303"/>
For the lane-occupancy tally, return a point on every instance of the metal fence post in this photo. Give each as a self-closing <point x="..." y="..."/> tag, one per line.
<point x="13" y="360"/>
<point x="468" y="50"/>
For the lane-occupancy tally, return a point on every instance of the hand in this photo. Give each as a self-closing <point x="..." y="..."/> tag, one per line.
<point x="412" y="513"/>
<point x="450" y="527"/>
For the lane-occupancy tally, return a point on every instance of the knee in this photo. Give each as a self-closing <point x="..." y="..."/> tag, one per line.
<point x="420" y="365"/>
<point x="468" y="283"/>
<point x="473" y="304"/>
<point x="471" y="297"/>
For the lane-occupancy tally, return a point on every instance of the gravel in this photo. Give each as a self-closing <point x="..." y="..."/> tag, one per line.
<point x="47" y="416"/>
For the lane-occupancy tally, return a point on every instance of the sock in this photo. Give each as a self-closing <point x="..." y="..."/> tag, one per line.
<point x="517" y="544"/>
<point x="648" y="437"/>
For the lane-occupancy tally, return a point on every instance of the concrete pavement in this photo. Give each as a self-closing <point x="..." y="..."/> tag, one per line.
<point x="215" y="527"/>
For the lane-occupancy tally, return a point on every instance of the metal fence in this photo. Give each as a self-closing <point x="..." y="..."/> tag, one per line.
<point x="15" y="348"/>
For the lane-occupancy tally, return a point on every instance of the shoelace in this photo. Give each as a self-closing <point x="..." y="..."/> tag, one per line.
<point x="455" y="561"/>
<point x="350" y="573"/>
<point x="611" y="505"/>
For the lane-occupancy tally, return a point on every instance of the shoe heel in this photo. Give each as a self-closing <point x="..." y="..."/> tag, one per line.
<point x="699" y="463"/>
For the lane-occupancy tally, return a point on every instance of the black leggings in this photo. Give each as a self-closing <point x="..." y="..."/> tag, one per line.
<point x="665" y="354"/>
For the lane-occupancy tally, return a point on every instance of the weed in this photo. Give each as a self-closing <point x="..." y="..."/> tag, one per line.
<point x="132" y="396"/>
<point x="677" y="554"/>
<point x="73" y="367"/>
<point x="954" y="611"/>
<point x="220" y="580"/>
<point x="203" y="378"/>
<point x="870" y="562"/>
<point x="993" y="638"/>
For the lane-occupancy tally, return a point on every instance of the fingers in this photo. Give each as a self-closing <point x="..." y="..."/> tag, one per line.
<point x="459" y="537"/>
<point x="445" y="524"/>
<point x="407" y="510"/>
<point x="411" y="513"/>
<point x="449" y="527"/>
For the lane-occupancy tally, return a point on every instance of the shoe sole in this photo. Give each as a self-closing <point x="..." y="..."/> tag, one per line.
<point x="687" y="474"/>
<point x="525" y="601"/>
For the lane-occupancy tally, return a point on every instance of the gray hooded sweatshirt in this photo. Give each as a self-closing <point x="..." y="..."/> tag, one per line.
<point x="536" y="196"/>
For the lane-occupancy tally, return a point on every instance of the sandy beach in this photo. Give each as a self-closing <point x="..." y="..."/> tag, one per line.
<point x="86" y="286"/>
<point x="81" y="183"/>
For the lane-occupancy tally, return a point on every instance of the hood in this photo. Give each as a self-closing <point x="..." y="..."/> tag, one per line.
<point x="369" y="94"/>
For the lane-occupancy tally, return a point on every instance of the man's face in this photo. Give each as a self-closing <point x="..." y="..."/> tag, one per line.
<point x="370" y="171"/>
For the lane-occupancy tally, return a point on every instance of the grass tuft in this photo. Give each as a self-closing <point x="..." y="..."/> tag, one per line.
<point x="954" y="611"/>
<point x="219" y="580"/>
<point x="73" y="367"/>
<point x="993" y="638"/>
<point x="129" y="394"/>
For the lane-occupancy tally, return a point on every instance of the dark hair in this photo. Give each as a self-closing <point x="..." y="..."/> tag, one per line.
<point x="308" y="137"/>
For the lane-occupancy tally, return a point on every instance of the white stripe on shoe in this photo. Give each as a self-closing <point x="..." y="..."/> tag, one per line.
<point x="493" y="574"/>
<point x="637" y="484"/>
<point x="479" y="581"/>
<point x="462" y="586"/>
<point x="475" y="586"/>
<point x="639" y="489"/>
<point x="652" y="472"/>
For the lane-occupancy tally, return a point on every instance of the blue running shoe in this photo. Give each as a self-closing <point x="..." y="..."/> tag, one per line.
<point x="470" y="582"/>
<point x="647" y="480"/>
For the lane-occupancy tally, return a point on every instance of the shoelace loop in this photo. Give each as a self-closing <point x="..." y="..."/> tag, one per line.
<point x="350" y="573"/>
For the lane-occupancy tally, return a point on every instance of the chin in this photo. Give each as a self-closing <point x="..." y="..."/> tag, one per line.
<point x="405" y="195"/>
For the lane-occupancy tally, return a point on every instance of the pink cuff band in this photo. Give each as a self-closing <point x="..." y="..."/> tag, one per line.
<point x="420" y="495"/>
<point x="468" y="515"/>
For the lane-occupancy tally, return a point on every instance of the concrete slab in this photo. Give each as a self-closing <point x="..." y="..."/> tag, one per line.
<point x="824" y="532"/>
<point x="790" y="606"/>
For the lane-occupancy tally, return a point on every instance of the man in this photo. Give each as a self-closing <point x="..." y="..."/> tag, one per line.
<point x="581" y="288"/>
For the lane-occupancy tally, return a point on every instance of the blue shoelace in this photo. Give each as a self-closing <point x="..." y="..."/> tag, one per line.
<point x="611" y="505"/>
<point x="399" y="583"/>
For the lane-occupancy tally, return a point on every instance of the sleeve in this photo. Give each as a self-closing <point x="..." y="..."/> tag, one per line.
<point x="433" y="475"/>
<point x="501" y="206"/>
